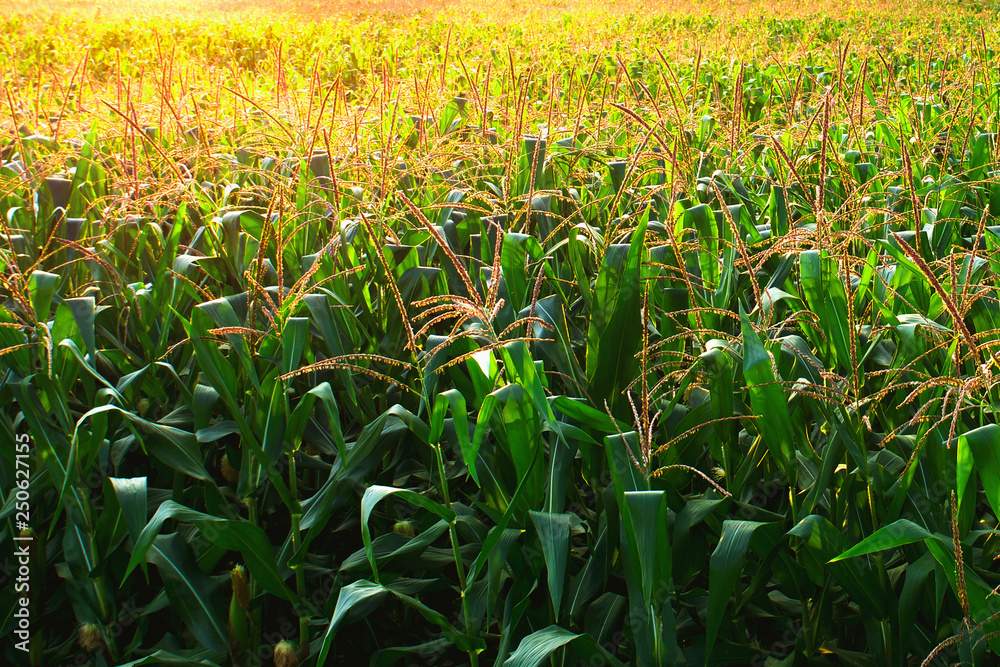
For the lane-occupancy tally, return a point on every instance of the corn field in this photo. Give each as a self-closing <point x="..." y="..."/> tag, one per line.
<point x="581" y="337"/>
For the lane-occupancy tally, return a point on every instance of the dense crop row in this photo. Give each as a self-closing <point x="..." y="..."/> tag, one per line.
<point x="442" y="354"/>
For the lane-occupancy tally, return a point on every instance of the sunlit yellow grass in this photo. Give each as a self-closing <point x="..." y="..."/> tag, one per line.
<point x="480" y="10"/>
<point x="175" y="65"/>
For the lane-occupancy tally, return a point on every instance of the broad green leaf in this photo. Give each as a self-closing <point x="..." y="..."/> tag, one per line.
<point x="293" y="340"/>
<point x="132" y="499"/>
<point x="724" y="572"/>
<point x="539" y="645"/>
<point x="824" y="541"/>
<point x="768" y="401"/>
<point x="195" y="597"/>
<point x="235" y="535"/>
<point x="223" y="379"/>
<point x="509" y="414"/>
<point x="83" y="310"/>
<point x="616" y="322"/>
<point x="223" y="315"/>
<point x="374" y="494"/>
<point x="180" y="658"/>
<point x="980" y="595"/>
<point x="824" y="292"/>
<point x="177" y="448"/>
<point x="984" y="444"/>
<point x="896" y="534"/>
<point x="348" y="598"/>
<point x="514" y="253"/>
<point x="454" y="400"/>
<point x="42" y="287"/>
<point x="553" y="533"/>
<point x="649" y="572"/>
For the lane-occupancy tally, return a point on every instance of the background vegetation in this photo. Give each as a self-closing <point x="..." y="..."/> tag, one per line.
<point x="508" y="335"/>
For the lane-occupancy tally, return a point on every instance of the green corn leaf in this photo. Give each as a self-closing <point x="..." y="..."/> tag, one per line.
<point x="984" y="445"/>
<point x="198" y="658"/>
<point x="374" y="494"/>
<point x="616" y="325"/>
<point x="824" y="292"/>
<point x="499" y="532"/>
<point x="348" y="598"/>
<point x="235" y="535"/>
<point x="539" y="645"/>
<point x="132" y="499"/>
<point x="978" y="593"/>
<point x="896" y="534"/>
<point x="724" y="572"/>
<point x="222" y="378"/>
<point x="649" y="569"/>
<point x="223" y="315"/>
<point x="197" y="598"/>
<point x="42" y="286"/>
<point x="553" y="533"/>
<point x="293" y="341"/>
<point x="453" y="399"/>
<point x="177" y="448"/>
<point x="514" y="253"/>
<point x="768" y="401"/>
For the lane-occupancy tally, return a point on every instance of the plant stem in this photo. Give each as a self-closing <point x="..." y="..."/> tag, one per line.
<point x="300" y="575"/>
<point x="456" y="550"/>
